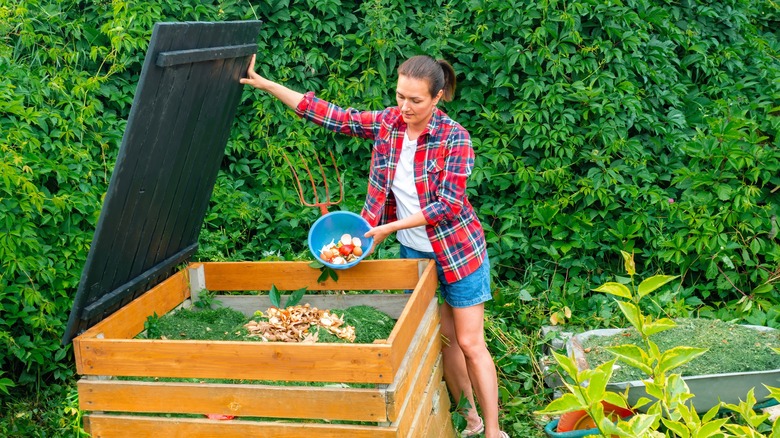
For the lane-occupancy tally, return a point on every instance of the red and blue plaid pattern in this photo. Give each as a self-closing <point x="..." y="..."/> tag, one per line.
<point x="442" y="165"/>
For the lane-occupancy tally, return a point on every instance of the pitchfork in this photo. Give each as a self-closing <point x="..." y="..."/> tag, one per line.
<point x="323" y="205"/>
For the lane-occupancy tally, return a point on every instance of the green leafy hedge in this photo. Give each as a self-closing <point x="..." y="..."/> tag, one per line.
<point x="598" y="126"/>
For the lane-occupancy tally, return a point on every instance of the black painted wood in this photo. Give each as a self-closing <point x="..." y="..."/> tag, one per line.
<point x="182" y="112"/>
<point x="175" y="57"/>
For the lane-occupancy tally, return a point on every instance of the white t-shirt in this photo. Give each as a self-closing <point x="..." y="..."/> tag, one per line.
<point x="407" y="201"/>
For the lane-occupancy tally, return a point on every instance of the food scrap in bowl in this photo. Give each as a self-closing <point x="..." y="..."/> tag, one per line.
<point x="346" y="250"/>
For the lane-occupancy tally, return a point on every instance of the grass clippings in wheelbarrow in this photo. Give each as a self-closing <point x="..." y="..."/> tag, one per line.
<point x="731" y="348"/>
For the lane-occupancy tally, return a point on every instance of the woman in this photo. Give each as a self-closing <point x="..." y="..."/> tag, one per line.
<point x="420" y="163"/>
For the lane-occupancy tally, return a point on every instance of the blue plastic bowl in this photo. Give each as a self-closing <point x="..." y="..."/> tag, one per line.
<point x="331" y="227"/>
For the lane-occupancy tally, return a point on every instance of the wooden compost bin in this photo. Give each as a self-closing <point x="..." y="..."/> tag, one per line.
<point x="401" y="391"/>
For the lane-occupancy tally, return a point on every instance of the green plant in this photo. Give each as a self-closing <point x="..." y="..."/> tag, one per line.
<point x="52" y="412"/>
<point x="206" y="300"/>
<point x="6" y="383"/>
<point x="462" y="405"/>
<point x="152" y="326"/>
<point x="325" y="271"/>
<point x="276" y="297"/>
<point x="731" y="348"/>
<point x="513" y="336"/>
<point x="672" y="406"/>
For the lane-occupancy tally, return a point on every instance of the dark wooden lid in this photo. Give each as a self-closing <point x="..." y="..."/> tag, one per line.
<point x="174" y="141"/>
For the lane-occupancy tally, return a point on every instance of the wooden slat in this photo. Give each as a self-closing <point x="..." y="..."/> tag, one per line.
<point x="182" y="146"/>
<point x="211" y="127"/>
<point x="244" y="400"/>
<point x="390" y="304"/>
<point x="176" y="57"/>
<point x="420" y="380"/>
<point x="395" y="274"/>
<point x="420" y="358"/>
<point x="440" y="424"/>
<point x="109" y="426"/>
<point x="423" y="425"/>
<point x="110" y="299"/>
<point x="129" y="321"/>
<point x="419" y="402"/>
<point x="347" y="363"/>
<point x="401" y="336"/>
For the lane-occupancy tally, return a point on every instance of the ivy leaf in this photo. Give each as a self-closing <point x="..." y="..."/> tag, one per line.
<point x="762" y="289"/>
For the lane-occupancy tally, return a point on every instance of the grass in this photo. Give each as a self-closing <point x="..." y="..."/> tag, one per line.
<point x="731" y="348"/>
<point x="226" y="324"/>
<point x="223" y="324"/>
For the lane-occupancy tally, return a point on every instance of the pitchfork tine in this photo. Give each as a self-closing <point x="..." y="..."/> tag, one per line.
<point x="338" y="179"/>
<point x="324" y="204"/>
<point x="295" y="175"/>
<point x="311" y="180"/>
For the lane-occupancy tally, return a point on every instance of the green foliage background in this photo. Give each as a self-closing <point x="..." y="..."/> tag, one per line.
<point x="643" y="125"/>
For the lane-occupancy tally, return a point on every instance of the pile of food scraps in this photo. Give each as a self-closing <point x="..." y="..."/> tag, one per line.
<point x="348" y="249"/>
<point x="293" y="324"/>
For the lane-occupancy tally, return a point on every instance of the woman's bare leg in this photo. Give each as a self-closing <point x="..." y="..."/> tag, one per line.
<point x="468" y="363"/>
<point x="455" y="371"/>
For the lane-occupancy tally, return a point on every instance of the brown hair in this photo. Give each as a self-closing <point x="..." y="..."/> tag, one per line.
<point x="439" y="74"/>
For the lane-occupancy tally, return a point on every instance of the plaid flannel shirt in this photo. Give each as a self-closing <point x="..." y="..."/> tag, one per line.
<point x="442" y="163"/>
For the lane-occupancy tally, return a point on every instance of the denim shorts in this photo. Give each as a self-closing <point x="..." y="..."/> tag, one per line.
<point x="466" y="292"/>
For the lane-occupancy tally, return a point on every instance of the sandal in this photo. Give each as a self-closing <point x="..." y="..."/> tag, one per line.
<point x="475" y="431"/>
<point x="503" y="434"/>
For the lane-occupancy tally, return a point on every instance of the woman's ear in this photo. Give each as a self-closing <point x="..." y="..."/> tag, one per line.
<point x="437" y="97"/>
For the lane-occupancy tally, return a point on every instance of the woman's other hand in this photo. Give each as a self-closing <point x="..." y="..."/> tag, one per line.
<point x="379" y="234"/>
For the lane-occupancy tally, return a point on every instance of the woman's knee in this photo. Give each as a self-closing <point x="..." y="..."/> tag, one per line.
<point x="472" y="347"/>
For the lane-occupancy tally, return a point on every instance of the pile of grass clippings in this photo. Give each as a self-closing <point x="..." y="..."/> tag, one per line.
<point x="370" y="325"/>
<point x="226" y="324"/>
<point x="732" y="348"/>
<point x="220" y="324"/>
